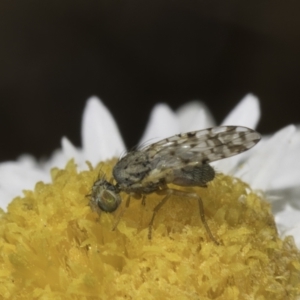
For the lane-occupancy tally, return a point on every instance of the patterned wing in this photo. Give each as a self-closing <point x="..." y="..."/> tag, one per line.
<point x="201" y="146"/>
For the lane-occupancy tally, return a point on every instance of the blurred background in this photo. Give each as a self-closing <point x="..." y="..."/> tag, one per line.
<point x="135" y="53"/>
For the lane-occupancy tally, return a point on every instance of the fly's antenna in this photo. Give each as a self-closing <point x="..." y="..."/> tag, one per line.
<point x="138" y="147"/>
<point x="122" y="154"/>
<point x="147" y="143"/>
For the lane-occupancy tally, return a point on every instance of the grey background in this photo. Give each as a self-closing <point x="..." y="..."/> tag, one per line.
<point x="135" y="53"/>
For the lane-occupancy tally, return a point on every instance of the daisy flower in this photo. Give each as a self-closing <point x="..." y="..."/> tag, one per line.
<point x="54" y="246"/>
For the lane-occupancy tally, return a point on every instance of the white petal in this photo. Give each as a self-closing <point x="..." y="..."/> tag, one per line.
<point x="60" y="157"/>
<point x="162" y="124"/>
<point x="287" y="217"/>
<point x="288" y="223"/>
<point x="194" y="116"/>
<point x="265" y="163"/>
<point x="71" y="152"/>
<point x="289" y="174"/>
<point x="18" y="176"/>
<point x="68" y="148"/>
<point x="295" y="232"/>
<point x="101" y="138"/>
<point x="57" y="159"/>
<point x="246" y="113"/>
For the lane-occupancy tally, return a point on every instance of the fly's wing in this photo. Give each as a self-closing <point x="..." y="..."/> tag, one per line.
<point x="203" y="146"/>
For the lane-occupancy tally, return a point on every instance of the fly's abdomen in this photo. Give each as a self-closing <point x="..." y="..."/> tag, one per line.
<point x="198" y="175"/>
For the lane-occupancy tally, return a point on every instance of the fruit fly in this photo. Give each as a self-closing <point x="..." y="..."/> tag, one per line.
<point x="181" y="159"/>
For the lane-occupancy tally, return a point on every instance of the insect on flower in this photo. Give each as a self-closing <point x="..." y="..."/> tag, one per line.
<point x="182" y="160"/>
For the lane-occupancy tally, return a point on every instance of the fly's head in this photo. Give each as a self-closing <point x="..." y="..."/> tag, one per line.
<point x="105" y="196"/>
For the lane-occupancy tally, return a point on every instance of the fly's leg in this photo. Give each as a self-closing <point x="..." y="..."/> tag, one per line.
<point x="121" y="213"/>
<point x="178" y="193"/>
<point x="144" y="200"/>
<point x="156" y="209"/>
<point x="202" y="217"/>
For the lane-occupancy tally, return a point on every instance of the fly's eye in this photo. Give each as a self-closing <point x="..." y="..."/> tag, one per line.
<point x="108" y="201"/>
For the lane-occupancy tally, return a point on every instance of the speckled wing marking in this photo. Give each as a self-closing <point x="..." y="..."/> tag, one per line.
<point x="201" y="146"/>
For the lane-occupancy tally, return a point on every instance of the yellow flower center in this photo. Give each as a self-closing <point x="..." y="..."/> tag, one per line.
<point x="53" y="246"/>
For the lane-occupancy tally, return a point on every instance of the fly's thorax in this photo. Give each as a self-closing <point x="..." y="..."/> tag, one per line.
<point x="197" y="175"/>
<point x="105" y="196"/>
<point x="132" y="168"/>
<point x="140" y="188"/>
